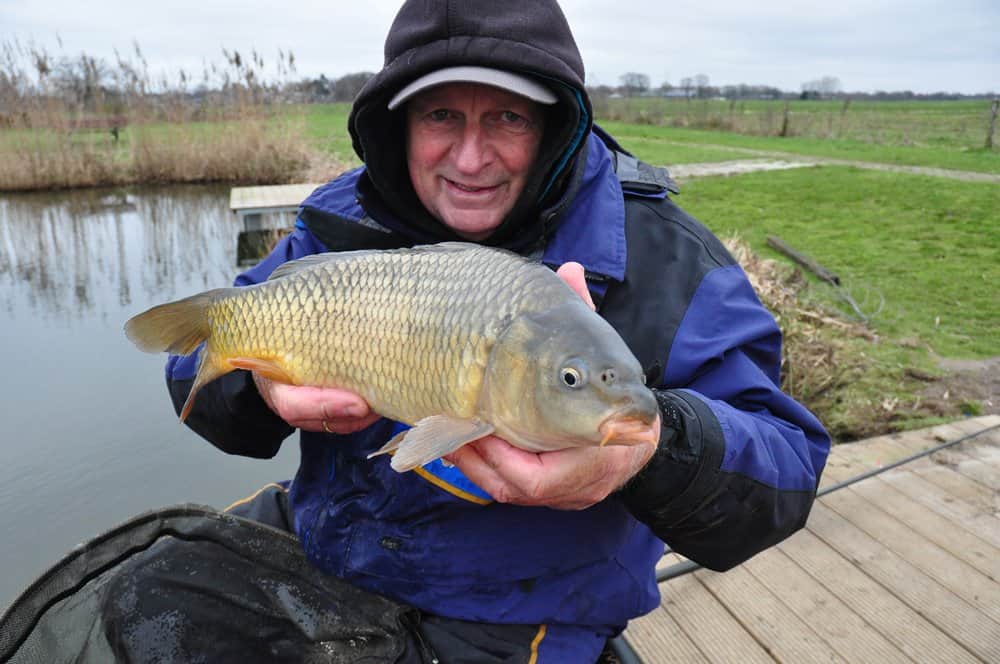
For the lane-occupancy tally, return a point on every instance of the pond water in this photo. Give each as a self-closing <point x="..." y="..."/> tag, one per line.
<point x="89" y="436"/>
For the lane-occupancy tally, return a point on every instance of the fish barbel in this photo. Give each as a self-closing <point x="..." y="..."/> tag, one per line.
<point x="457" y="340"/>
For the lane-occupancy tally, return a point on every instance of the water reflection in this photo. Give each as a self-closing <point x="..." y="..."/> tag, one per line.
<point x="89" y="437"/>
<point x="91" y="253"/>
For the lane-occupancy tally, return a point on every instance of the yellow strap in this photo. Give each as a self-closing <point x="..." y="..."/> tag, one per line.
<point x="534" y="644"/>
<point x="255" y="494"/>
<point x="450" y="488"/>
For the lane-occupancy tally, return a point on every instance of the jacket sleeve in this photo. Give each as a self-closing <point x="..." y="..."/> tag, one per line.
<point x="229" y="412"/>
<point x="739" y="461"/>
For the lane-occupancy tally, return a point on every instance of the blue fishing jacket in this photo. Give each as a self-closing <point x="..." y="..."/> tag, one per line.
<point x="740" y="476"/>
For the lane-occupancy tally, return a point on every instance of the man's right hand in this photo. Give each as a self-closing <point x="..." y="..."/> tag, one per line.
<point x="316" y="408"/>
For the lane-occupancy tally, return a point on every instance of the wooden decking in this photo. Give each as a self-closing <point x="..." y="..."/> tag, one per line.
<point x="900" y="567"/>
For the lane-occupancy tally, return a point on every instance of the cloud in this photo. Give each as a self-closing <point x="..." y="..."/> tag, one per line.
<point x="918" y="45"/>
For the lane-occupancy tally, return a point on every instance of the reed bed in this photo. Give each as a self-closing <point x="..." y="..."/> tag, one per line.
<point x="80" y="121"/>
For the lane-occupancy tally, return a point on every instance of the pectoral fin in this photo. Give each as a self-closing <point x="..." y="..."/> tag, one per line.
<point x="432" y="438"/>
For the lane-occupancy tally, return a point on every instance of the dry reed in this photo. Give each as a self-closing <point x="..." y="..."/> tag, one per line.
<point x="76" y="122"/>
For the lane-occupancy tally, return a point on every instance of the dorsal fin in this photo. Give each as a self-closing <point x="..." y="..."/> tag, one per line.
<point x="306" y="262"/>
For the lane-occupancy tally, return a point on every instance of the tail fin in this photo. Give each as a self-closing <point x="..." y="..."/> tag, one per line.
<point x="179" y="327"/>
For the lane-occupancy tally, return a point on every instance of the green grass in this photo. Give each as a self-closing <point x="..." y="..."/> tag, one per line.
<point x="928" y="246"/>
<point x="326" y="126"/>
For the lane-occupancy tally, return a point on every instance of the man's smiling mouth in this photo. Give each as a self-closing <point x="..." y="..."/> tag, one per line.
<point x="471" y="188"/>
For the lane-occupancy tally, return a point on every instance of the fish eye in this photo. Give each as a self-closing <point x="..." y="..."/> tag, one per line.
<point x="571" y="377"/>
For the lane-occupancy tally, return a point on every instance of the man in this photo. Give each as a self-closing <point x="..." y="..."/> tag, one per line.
<point x="479" y="128"/>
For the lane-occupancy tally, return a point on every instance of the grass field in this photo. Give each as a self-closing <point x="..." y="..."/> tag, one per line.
<point x="928" y="246"/>
<point x="918" y="254"/>
<point x="658" y="143"/>
<point x="949" y="134"/>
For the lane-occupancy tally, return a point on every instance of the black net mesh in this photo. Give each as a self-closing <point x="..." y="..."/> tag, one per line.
<point x="189" y="583"/>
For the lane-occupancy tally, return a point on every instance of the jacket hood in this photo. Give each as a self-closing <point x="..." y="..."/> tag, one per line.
<point x="531" y="38"/>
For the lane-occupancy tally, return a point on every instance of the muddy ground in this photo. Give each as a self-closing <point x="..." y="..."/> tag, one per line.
<point x="969" y="381"/>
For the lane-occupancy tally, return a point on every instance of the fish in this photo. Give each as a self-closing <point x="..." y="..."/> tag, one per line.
<point x="457" y="340"/>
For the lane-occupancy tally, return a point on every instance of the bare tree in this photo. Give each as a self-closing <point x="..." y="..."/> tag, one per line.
<point x="634" y="83"/>
<point x="822" y="87"/>
<point x="701" y="85"/>
<point x="687" y="85"/>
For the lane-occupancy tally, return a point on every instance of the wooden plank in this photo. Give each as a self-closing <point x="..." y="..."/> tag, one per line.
<point x="961" y="578"/>
<point x="657" y="639"/>
<point x="944" y="532"/>
<point x="767" y="618"/>
<point x="270" y="196"/>
<point x="852" y="459"/>
<point x="975" y="469"/>
<point x="908" y="630"/>
<point x="978" y="458"/>
<point x="709" y="624"/>
<point x="962" y="621"/>
<point x="956" y="484"/>
<point x="976" y="515"/>
<point x="982" y="498"/>
<point x="853" y="638"/>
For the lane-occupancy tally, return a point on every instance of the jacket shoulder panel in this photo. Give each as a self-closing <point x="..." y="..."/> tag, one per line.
<point x="669" y="255"/>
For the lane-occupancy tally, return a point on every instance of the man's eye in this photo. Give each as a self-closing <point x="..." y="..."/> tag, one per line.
<point x="512" y="118"/>
<point x="439" y="115"/>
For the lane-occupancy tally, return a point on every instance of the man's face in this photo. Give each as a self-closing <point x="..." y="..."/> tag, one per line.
<point x="469" y="150"/>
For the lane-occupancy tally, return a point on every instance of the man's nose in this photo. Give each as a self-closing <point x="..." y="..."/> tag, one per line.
<point x="472" y="153"/>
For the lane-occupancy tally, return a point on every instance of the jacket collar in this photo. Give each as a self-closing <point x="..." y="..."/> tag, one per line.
<point x="593" y="230"/>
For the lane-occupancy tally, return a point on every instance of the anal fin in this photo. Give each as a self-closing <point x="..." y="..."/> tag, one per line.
<point x="431" y="438"/>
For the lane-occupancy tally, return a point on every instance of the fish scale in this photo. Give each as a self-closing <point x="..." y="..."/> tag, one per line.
<point x="385" y="329"/>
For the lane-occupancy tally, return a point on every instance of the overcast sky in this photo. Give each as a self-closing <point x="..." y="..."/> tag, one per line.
<point x="918" y="45"/>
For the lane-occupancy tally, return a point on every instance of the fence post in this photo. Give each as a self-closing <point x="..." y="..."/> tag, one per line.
<point x="784" y="121"/>
<point x="993" y="124"/>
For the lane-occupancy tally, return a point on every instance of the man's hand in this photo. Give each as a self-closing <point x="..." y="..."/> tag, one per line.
<point x="316" y="408"/>
<point x="570" y="479"/>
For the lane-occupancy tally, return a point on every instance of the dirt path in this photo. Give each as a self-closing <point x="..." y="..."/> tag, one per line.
<point x="766" y="160"/>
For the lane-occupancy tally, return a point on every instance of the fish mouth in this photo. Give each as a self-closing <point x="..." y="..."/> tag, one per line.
<point x="625" y="429"/>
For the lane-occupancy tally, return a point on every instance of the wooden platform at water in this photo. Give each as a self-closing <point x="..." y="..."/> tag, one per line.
<point x="251" y="203"/>
<point x="900" y="567"/>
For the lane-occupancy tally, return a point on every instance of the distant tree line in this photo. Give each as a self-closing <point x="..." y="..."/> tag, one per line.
<point x="636" y="84"/>
<point x="324" y="89"/>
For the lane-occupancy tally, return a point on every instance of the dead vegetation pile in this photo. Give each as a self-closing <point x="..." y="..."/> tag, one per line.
<point x="827" y="363"/>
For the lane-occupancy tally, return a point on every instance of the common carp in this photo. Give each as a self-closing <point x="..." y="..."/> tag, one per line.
<point x="457" y="340"/>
